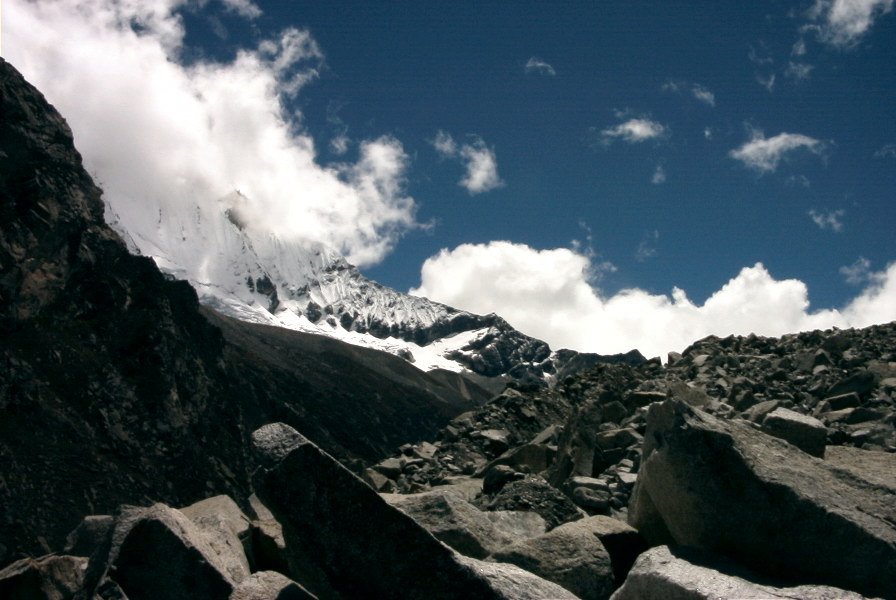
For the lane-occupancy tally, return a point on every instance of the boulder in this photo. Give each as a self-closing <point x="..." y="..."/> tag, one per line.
<point x="805" y="432"/>
<point x="270" y="585"/>
<point x="90" y="534"/>
<point x="157" y="552"/>
<point x="363" y="546"/>
<point x="50" y="577"/>
<point x="497" y="477"/>
<point x="227" y="530"/>
<point x="725" y="487"/>
<point x="513" y="583"/>
<point x="622" y="541"/>
<point x="452" y="520"/>
<point x="537" y="495"/>
<point x="517" y="524"/>
<point x="268" y="545"/>
<point x="570" y="555"/>
<point x="659" y="574"/>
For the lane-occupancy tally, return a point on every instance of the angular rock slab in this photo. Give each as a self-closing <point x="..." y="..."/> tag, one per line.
<point x="660" y="575"/>
<point x="727" y="488"/>
<point x="452" y="520"/>
<point x="157" y="552"/>
<point x="570" y="555"/>
<point x="366" y="548"/>
<point x="805" y="432"/>
<point x="270" y="585"/>
<point x="50" y="577"/>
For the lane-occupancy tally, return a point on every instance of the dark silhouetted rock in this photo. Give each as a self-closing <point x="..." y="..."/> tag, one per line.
<point x="537" y="495"/>
<point x="363" y="546"/>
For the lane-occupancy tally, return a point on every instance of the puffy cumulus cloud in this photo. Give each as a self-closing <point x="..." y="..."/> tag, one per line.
<point x="482" y="167"/>
<point x="539" y="67"/>
<point x="831" y="219"/>
<point x="764" y="154"/>
<point x="549" y="294"/>
<point x="842" y="23"/>
<point x="479" y="161"/>
<point x="156" y="132"/>
<point x="634" y="130"/>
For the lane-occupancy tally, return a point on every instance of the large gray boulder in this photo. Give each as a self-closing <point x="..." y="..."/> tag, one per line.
<point x="452" y="520"/>
<point x="660" y="575"/>
<point x="805" y="432"/>
<point x="727" y="488"/>
<point x="510" y="581"/>
<point x="570" y="555"/>
<point x="157" y="552"/>
<point x="363" y="546"/>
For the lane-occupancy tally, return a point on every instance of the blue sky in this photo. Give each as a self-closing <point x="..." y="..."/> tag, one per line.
<point x="630" y="146"/>
<point x="412" y="69"/>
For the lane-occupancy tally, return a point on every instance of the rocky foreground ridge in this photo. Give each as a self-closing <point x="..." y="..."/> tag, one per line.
<point x="746" y="467"/>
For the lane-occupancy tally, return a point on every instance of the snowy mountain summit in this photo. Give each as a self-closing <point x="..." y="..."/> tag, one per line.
<point x="305" y="286"/>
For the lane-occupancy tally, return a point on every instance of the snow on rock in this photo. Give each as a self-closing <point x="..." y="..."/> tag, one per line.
<point x="303" y="285"/>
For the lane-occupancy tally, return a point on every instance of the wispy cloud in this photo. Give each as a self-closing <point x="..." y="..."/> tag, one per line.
<point x="445" y="144"/>
<point x="479" y="161"/>
<point x="634" y="131"/>
<point x="798" y="71"/>
<point x="698" y="91"/>
<point x="843" y="23"/>
<point x="539" y="67"/>
<point x="858" y="272"/>
<point x="244" y="8"/>
<point x="647" y="246"/>
<point x="659" y="175"/>
<point x="766" y="81"/>
<point x="886" y="151"/>
<point x="765" y="154"/>
<point x="829" y="219"/>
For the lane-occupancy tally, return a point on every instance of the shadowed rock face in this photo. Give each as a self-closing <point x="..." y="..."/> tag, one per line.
<point x="115" y="387"/>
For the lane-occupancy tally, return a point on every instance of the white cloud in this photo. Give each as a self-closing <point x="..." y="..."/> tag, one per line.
<point x="244" y="8"/>
<point x="843" y="22"/>
<point x="703" y="95"/>
<point x="707" y="133"/>
<point x="479" y="161"/>
<point x="540" y="67"/>
<point x="445" y="144"/>
<point x="700" y="92"/>
<point x="764" y="154"/>
<point x="156" y="131"/>
<point x="831" y="219"/>
<point x="482" y="167"/>
<point x="546" y="294"/>
<point x="798" y="181"/>
<point x="659" y="175"/>
<point x="858" y="272"/>
<point x="339" y="144"/>
<point x="635" y="130"/>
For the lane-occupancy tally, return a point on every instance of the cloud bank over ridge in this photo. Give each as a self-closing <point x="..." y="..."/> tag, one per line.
<point x="552" y="295"/>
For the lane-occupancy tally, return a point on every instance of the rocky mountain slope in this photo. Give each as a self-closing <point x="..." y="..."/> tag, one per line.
<point x="254" y="276"/>
<point x="116" y="387"/>
<point x="746" y="467"/>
